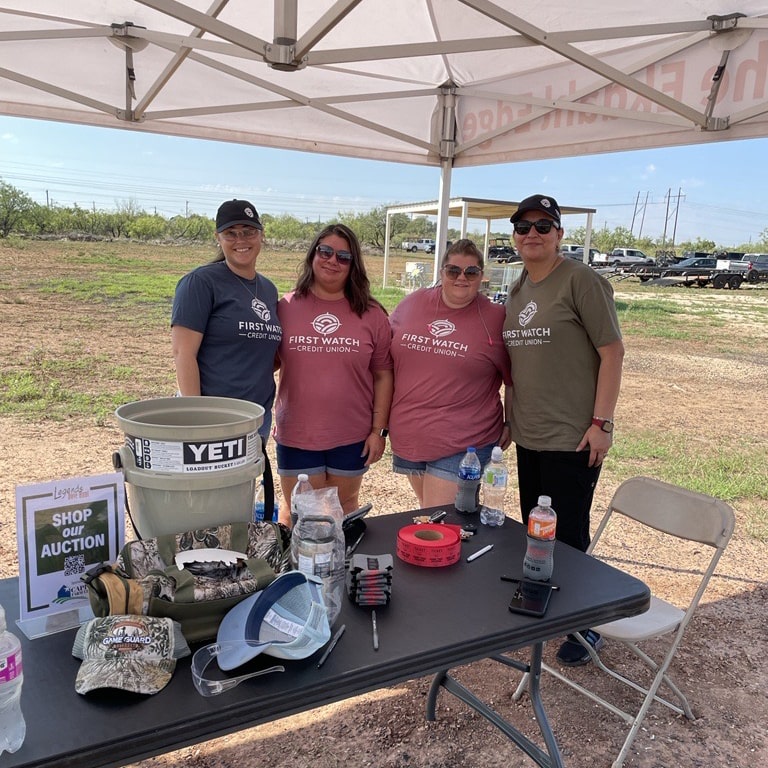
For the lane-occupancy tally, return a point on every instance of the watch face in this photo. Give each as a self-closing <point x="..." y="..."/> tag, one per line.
<point x="607" y="426"/>
<point x="384" y="432"/>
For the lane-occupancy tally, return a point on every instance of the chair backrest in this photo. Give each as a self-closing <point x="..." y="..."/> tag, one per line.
<point x="673" y="510"/>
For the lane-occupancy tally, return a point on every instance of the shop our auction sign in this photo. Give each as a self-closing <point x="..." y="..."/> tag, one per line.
<point x="64" y="528"/>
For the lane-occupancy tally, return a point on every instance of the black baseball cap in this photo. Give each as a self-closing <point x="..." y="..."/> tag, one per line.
<point x="541" y="203"/>
<point x="237" y="212"/>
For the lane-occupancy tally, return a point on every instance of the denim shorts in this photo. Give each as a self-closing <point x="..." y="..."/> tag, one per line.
<point x="343" y="461"/>
<point x="446" y="468"/>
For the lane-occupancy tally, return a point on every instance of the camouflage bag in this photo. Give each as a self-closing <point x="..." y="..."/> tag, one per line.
<point x="159" y="577"/>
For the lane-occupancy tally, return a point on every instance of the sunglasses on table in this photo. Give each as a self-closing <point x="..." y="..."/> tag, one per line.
<point x="543" y="226"/>
<point x="454" y="272"/>
<point x="325" y="252"/>
<point x="232" y="235"/>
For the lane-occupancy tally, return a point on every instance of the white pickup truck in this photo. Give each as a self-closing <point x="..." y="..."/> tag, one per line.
<point x="620" y="257"/>
<point x="422" y="244"/>
<point x="754" y="266"/>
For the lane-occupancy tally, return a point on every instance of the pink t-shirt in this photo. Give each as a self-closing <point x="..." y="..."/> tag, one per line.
<point x="449" y="367"/>
<point x="328" y="355"/>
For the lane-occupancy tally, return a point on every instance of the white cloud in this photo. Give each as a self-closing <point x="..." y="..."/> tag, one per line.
<point x="11" y="138"/>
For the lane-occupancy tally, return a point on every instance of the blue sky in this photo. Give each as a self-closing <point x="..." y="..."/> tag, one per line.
<point x="724" y="196"/>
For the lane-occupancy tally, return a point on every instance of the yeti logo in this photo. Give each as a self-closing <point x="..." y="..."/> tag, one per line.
<point x="527" y="314"/>
<point x="261" y="310"/>
<point x="440" y="328"/>
<point x="326" y="324"/>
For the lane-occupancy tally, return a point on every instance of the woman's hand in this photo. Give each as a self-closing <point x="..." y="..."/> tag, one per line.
<point x="374" y="448"/>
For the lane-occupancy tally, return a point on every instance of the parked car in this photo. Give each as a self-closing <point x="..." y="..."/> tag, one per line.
<point x="691" y="266"/>
<point x="422" y="244"/>
<point x="622" y="257"/>
<point x="577" y="253"/>
<point x="500" y="249"/>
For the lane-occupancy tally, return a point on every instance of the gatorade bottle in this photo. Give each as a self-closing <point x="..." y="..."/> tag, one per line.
<point x="468" y="482"/>
<point x="539" y="555"/>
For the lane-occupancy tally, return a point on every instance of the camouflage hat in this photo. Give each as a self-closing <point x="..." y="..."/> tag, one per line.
<point x="133" y="653"/>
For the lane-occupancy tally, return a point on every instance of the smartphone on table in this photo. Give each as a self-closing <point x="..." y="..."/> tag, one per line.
<point x="531" y="597"/>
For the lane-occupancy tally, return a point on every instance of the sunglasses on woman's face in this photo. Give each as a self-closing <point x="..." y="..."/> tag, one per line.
<point x="454" y="272"/>
<point x="325" y="252"/>
<point x="543" y="226"/>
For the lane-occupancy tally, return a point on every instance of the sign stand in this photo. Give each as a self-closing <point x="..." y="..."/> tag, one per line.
<point x="64" y="528"/>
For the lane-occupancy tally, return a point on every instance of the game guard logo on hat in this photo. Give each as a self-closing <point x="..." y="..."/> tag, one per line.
<point x="541" y="203"/>
<point x="237" y="212"/>
<point x="287" y="619"/>
<point x="133" y="653"/>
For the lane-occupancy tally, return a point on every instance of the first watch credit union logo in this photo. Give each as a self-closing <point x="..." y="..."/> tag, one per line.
<point x="326" y="324"/>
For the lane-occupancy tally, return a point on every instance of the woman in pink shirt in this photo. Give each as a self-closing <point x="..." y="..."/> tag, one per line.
<point x="335" y="391"/>
<point x="450" y="362"/>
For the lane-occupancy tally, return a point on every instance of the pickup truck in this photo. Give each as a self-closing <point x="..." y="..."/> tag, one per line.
<point x="620" y="257"/>
<point x="422" y="244"/>
<point x="754" y="266"/>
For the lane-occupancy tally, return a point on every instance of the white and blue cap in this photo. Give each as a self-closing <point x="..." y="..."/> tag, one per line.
<point x="287" y="619"/>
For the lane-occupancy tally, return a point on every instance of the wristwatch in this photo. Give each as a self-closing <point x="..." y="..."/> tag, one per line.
<point x="605" y="424"/>
<point x="381" y="432"/>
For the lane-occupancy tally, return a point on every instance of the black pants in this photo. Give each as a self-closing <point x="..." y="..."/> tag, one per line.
<point x="269" y="484"/>
<point x="567" y="479"/>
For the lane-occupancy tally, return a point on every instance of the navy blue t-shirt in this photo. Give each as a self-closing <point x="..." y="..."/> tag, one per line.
<point x="241" y="333"/>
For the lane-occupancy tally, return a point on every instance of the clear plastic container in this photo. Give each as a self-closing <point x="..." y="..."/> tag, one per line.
<point x="495" y="478"/>
<point x="13" y="729"/>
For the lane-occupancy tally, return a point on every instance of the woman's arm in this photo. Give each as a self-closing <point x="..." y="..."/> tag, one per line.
<point x="383" y="387"/>
<point x="185" y="344"/>
<point x="606" y="396"/>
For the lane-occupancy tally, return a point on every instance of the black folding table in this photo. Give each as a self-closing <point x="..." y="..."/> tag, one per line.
<point x="439" y="618"/>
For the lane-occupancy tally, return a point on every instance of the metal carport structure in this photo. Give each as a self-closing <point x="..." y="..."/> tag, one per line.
<point x="467" y="208"/>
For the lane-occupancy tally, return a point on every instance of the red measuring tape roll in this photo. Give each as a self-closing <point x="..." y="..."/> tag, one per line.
<point x="429" y="544"/>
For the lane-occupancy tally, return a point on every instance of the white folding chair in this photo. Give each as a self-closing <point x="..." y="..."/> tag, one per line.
<point x="676" y="512"/>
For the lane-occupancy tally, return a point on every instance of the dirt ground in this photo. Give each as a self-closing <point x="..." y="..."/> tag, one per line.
<point x="697" y="390"/>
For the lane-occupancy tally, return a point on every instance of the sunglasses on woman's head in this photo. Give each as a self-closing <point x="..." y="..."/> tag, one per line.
<point x="471" y="273"/>
<point x="543" y="226"/>
<point x="325" y="252"/>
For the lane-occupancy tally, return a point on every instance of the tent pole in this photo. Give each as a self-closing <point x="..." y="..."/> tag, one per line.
<point x="447" y="153"/>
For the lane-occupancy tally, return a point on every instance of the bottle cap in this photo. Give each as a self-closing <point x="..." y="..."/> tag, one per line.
<point x="497" y="454"/>
<point x="471" y="449"/>
<point x="303" y="477"/>
<point x="545" y="501"/>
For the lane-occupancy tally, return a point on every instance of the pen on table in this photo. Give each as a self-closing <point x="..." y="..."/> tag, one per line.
<point x="352" y="547"/>
<point x="375" y="631"/>
<point x="335" y="639"/>
<point x="486" y="548"/>
<point x="515" y="580"/>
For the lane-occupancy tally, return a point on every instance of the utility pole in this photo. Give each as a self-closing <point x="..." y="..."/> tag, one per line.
<point x="677" y="210"/>
<point x="642" y="220"/>
<point x="666" y="218"/>
<point x="634" y="213"/>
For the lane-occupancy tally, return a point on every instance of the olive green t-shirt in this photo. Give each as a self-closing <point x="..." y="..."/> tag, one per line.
<point x="552" y="331"/>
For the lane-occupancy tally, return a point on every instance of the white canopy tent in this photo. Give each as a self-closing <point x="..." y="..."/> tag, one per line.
<point x="446" y="83"/>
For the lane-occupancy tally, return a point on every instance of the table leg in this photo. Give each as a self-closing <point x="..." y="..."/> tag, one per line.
<point x="549" y="759"/>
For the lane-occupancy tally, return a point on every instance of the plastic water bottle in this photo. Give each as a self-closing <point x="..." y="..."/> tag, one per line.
<point x="12" y="725"/>
<point x="258" y="504"/>
<point x="539" y="555"/>
<point x="302" y="486"/>
<point x="495" y="476"/>
<point x="468" y="482"/>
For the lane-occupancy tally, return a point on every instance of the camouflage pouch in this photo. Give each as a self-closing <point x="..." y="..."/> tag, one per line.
<point x="147" y="580"/>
